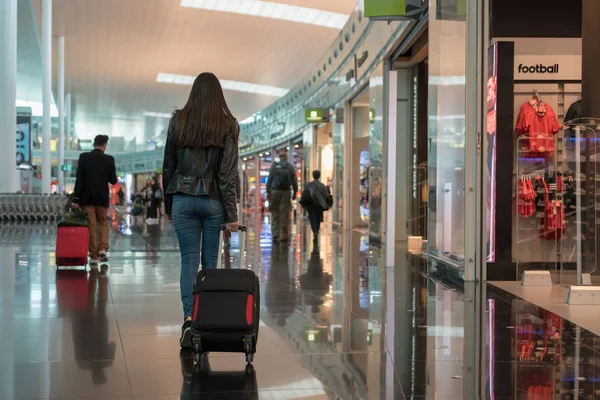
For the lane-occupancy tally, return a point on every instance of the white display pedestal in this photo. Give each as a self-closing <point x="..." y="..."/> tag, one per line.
<point x="536" y="278"/>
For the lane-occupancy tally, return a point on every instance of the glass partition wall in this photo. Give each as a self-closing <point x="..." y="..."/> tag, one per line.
<point x="337" y="187"/>
<point x="376" y="181"/>
<point x="447" y="128"/>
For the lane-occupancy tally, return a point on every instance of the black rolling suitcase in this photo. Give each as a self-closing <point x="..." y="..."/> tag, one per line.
<point x="226" y="308"/>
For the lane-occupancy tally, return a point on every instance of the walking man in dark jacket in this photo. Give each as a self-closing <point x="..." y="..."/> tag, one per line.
<point x="282" y="179"/>
<point x="95" y="171"/>
<point x="316" y="198"/>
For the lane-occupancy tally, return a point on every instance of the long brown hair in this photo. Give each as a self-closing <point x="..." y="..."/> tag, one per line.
<point x="205" y="120"/>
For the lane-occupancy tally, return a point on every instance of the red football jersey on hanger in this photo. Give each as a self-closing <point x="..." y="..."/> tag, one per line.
<point x="541" y="126"/>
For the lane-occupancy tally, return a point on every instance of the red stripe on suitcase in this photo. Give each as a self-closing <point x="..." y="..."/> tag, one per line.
<point x="195" y="307"/>
<point x="250" y="309"/>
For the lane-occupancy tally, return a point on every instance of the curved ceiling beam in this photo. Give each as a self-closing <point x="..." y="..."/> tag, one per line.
<point x="266" y="9"/>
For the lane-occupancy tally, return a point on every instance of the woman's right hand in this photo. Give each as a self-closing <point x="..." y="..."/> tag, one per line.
<point x="232" y="226"/>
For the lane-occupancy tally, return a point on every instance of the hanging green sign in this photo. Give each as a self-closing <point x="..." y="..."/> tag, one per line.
<point x="314" y="115"/>
<point x="390" y="10"/>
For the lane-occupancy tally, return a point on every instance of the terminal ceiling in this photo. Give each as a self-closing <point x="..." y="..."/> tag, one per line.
<point x="116" y="49"/>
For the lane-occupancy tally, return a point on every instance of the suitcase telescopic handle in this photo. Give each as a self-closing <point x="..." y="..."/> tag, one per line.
<point x="243" y="231"/>
<point x="242" y="228"/>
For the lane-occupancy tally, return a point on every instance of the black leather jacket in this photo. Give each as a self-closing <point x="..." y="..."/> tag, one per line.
<point x="208" y="171"/>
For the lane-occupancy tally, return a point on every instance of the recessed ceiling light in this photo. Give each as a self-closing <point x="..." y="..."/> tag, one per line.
<point x="267" y="9"/>
<point x="235" y="86"/>
<point x="156" y="114"/>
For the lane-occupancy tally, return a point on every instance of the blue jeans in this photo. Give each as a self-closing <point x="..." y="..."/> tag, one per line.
<point x="196" y="218"/>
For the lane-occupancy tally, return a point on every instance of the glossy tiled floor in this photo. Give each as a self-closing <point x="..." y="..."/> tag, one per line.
<point x="335" y="325"/>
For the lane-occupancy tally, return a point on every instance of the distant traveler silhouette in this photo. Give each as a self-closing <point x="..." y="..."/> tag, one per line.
<point x="316" y="198"/>
<point x="282" y="180"/>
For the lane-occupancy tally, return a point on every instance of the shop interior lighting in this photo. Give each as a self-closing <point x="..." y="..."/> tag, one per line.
<point x="235" y="86"/>
<point x="268" y="9"/>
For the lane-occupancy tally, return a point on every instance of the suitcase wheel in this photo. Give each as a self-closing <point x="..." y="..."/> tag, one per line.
<point x="248" y="351"/>
<point x="197" y="344"/>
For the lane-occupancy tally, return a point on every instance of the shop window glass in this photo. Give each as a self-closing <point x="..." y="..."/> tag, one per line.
<point x="376" y="96"/>
<point x="446" y="114"/>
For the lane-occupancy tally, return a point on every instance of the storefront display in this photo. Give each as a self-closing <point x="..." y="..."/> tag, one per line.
<point x="538" y="122"/>
<point x="535" y="173"/>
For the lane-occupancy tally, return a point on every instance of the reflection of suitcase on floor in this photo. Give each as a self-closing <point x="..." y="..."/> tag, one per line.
<point x="226" y="308"/>
<point x="223" y="385"/>
<point x="72" y="291"/>
<point x="72" y="246"/>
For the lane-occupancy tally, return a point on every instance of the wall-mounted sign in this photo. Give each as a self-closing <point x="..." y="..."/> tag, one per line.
<point x="67" y="167"/>
<point x="316" y="115"/>
<point x="392" y="10"/>
<point x="23" y="138"/>
<point x="361" y="60"/>
<point x="316" y="334"/>
<point x="247" y="146"/>
<point x="548" y="67"/>
<point x="349" y="75"/>
<point x="372" y="115"/>
<point x="339" y="115"/>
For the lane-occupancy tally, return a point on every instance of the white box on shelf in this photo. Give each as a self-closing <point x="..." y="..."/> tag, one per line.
<point x="536" y="278"/>
<point x="584" y="295"/>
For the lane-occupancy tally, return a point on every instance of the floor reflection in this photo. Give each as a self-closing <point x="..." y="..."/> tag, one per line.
<point x="82" y="298"/>
<point x="202" y="382"/>
<point x="335" y="324"/>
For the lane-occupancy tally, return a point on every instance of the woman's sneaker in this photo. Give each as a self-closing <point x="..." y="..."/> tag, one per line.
<point x="186" y="334"/>
<point x="103" y="256"/>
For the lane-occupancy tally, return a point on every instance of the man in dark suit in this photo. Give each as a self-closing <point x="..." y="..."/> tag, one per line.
<point x="95" y="171"/>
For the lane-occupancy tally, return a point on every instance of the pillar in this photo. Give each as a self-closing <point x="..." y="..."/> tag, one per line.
<point x="8" y="95"/>
<point x="590" y="30"/>
<point x="257" y="201"/>
<point x="46" y="94"/>
<point x="68" y="120"/>
<point x="61" y="113"/>
<point x="291" y="150"/>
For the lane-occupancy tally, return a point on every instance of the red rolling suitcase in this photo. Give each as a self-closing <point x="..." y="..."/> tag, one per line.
<point x="72" y="246"/>
<point x="226" y="308"/>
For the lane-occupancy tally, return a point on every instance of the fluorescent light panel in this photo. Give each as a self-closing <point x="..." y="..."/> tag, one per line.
<point x="156" y="114"/>
<point x="235" y="86"/>
<point x="266" y="9"/>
